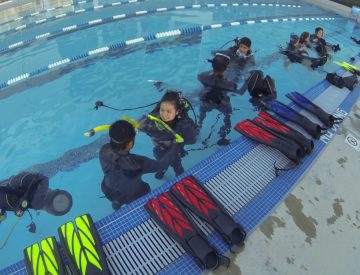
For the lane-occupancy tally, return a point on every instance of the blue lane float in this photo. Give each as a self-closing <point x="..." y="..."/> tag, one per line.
<point x="172" y="33"/>
<point x="106" y="20"/>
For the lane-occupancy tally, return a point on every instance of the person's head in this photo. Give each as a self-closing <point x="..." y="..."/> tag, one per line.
<point x="220" y="63"/>
<point x="169" y="106"/>
<point x="319" y="32"/>
<point x="122" y="135"/>
<point x="57" y="202"/>
<point x="244" y="46"/>
<point x="294" y="40"/>
<point x="304" y="37"/>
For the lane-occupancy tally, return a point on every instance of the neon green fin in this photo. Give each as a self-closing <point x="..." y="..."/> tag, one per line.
<point x="44" y="259"/>
<point x="352" y="66"/>
<point x="82" y="246"/>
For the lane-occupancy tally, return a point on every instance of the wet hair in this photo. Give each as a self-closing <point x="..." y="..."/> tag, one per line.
<point x="304" y="36"/>
<point x="121" y="133"/>
<point x="173" y="98"/>
<point x="293" y="39"/>
<point x="318" y="29"/>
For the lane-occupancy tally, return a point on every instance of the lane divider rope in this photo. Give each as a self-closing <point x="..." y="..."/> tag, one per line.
<point x="59" y="16"/>
<point x="160" y="35"/>
<point x="107" y="20"/>
<point x="48" y="19"/>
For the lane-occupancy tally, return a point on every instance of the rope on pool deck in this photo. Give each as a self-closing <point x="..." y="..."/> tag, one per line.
<point x="160" y="35"/>
<point x="106" y="20"/>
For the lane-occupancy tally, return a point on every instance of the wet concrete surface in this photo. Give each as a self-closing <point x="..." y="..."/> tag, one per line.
<point x="316" y="230"/>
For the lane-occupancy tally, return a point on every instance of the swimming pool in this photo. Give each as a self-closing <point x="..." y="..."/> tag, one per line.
<point x="44" y="117"/>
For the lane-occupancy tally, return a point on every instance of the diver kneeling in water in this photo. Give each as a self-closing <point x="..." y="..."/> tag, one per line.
<point x="321" y="45"/>
<point x="296" y="53"/>
<point x="31" y="191"/>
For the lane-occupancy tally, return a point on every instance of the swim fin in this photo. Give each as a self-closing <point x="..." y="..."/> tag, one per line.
<point x="82" y="246"/>
<point x="286" y="146"/>
<point x="349" y="67"/>
<point x="167" y="213"/>
<point x="44" y="258"/>
<point x="286" y="112"/>
<point x="200" y="201"/>
<point x="270" y="123"/>
<point x="328" y="119"/>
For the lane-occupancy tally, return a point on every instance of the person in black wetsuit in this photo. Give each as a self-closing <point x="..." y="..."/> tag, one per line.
<point x="241" y="58"/>
<point x="214" y="96"/>
<point x="172" y="110"/>
<point x="122" y="181"/>
<point x="321" y="46"/>
<point x="31" y="190"/>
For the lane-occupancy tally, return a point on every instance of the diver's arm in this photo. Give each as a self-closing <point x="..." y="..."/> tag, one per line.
<point x="152" y="166"/>
<point x="242" y="89"/>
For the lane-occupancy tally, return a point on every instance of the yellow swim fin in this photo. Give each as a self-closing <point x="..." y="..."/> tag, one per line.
<point x="82" y="246"/>
<point x="44" y="258"/>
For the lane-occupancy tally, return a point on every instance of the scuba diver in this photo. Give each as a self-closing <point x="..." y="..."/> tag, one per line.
<point x="321" y="46"/>
<point x="304" y="42"/>
<point x="31" y="191"/>
<point x="241" y="58"/>
<point x="122" y="181"/>
<point x="296" y="53"/>
<point x="355" y="40"/>
<point x="240" y="53"/>
<point x="171" y="111"/>
<point x="214" y="96"/>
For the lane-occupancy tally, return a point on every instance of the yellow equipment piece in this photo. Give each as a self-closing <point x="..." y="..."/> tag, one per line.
<point x="83" y="247"/>
<point x="44" y="259"/>
<point x="162" y="125"/>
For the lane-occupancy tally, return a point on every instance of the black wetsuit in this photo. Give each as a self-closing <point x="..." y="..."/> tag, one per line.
<point x="238" y="64"/>
<point x="122" y="181"/>
<point x="30" y="186"/>
<point x="162" y="139"/>
<point x="215" y="96"/>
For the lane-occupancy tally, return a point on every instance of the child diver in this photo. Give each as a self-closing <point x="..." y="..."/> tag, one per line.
<point x="321" y="45"/>
<point x="214" y="96"/>
<point x="31" y="191"/>
<point x="172" y="110"/>
<point x="122" y="181"/>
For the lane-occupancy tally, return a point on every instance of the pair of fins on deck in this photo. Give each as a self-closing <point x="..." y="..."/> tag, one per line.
<point x="270" y="131"/>
<point x="81" y="245"/>
<point x="170" y="210"/>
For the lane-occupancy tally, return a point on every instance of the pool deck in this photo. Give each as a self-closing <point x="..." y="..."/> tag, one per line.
<point x="316" y="229"/>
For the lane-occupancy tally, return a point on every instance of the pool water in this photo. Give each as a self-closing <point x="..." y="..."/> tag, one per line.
<point x="43" y="119"/>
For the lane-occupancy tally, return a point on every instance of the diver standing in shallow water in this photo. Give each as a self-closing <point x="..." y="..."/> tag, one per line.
<point x="122" y="181"/>
<point x="214" y="96"/>
<point x="321" y="45"/>
<point x="31" y="191"/>
<point x="172" y="111"/>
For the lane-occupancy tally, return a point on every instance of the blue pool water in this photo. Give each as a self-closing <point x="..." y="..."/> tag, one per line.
<point x="43" y="119"/>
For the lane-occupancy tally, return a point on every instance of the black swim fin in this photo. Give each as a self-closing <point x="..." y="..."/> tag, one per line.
<point x="328" y="119"/>
<point x="200" y="201"/>
<point x="167" y="213"/>
<point x="314" y="129"/>
<point x="286" y="146"/>
<point x="272" y="124"/>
